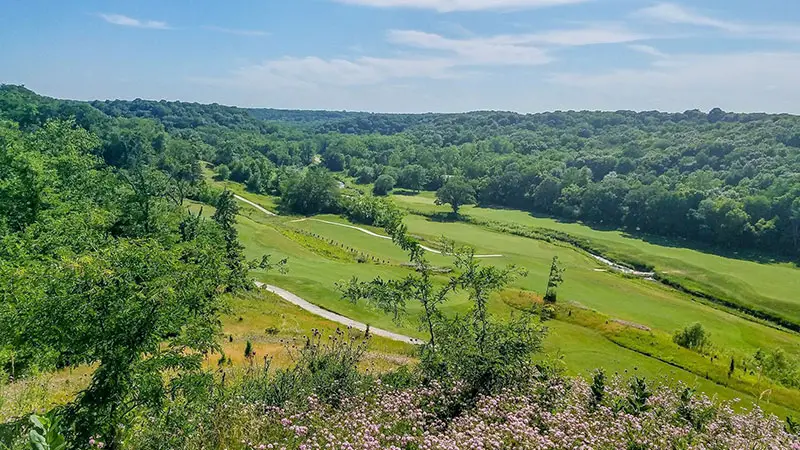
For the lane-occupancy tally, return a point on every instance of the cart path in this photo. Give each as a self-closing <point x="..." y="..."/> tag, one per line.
<point x="254" y="205"/>
<point x="333" y="317"/>
<point x="364" y="230"/>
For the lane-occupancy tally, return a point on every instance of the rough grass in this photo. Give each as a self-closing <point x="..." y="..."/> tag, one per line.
<point x="272" y="325"/>
<point x="275" y="327"/>
<point x="686" y="364"/>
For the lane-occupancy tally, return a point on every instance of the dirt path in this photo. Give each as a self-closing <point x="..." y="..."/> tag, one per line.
<point x="333" y="317"/>
<point x="254" y="205"/>
<point x="364" y="230"/>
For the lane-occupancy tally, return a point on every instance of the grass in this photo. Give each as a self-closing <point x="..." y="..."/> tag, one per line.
<point x="583" y="350"/>
<point x="587" y="283"/>
<point x="771" y="287"/>
<point x="583" y="346"/>
<point x="274" y="327"/>
<point x="686" y="365"/>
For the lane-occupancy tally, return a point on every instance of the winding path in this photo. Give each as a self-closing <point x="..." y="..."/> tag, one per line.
<point x="324" y="313"/>
<point x="254" y="205"/>
<point x="364" y="230"/>
<point x="333" y="317"/>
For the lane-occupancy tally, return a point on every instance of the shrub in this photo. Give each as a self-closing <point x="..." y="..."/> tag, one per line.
<point x="598" y="388"/>
<point x="694" y="337"/>
<point x="778" y="366"/>
<point x="383" y="185"/>
<point x="498" y="361"/>
<point x="371" y="211"/>
<point x="223" y="172"/>
<point x="330" y="369"/>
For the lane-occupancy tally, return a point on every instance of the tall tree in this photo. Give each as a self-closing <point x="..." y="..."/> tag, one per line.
<point x="225" y="216"/>
<point x="554" y="280"/>
<point x="456" y="192"/>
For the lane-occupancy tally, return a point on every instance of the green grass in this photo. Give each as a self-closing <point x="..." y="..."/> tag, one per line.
<point x="586" y="283"/>
<point x="313" y="274"/>
<point x="583" y="350"/>
<point x="769" y="287"/>
<point x="273" y="326"/>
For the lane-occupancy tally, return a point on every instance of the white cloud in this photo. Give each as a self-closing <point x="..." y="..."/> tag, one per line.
<point x="673" y="13"/>
<point x="313" y="71"/>
<point x="119" y="19"/>
<point x="474" y="51"/>
<point x="756" y="81"/>
<point x="648" y="50"/>
<point x="437" y="57"/>
<point x="592" y="35"/>
<point x="677" y="14"/>
<point x="238" y="31"/>
<point x="513" y="49"/>
<point x="462" y="5"/>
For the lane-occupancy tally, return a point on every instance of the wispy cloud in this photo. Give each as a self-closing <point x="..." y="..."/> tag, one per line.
<point x="674" y="13"/>
<point x="515" y="49"/>
<point x="313" y="71"/>
<point x="238" y="31"/>
<point x="462" y="5"/>
<point x="473" y="51"/>
<point x="125" y="21"/>
<point x="648" y="50"/>
<point x="433" y="56"/>
<point x="677" y="14"/>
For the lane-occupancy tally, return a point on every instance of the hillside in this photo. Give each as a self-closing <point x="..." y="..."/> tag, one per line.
<point x="132" y="233"/>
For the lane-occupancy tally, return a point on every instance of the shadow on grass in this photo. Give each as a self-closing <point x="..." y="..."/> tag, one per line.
<point x="680" y="242"/>
<point x="406" y="192"/>
<point x="445" y="217"/>
<point x="673" y="242"/>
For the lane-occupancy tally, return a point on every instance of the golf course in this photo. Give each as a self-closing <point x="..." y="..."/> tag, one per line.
<point x="604" y="318"/>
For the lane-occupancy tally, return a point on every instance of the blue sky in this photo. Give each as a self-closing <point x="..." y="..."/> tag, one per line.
<point x="412" y="55"/>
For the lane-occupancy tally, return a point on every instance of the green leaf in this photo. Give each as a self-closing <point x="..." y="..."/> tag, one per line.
<point x="37" y="441"/>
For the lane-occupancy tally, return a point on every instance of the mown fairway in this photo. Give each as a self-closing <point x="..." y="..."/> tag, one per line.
<point x="773" y="287"/>
<point x="322" y="254"/>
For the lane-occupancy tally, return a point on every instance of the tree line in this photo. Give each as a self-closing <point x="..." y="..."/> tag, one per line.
<point x="722" y="179"/>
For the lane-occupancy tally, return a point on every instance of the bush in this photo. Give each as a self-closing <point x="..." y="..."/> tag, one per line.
<point x="498" y="361"/>
<point x="324" y="367"/>
<point x="206" y="194"/>
<point x="778" y="366"/>
<point x="383" y="185"/>
<point x="312" y="192"/>
<point x="371" y="211"/>
<point x="331" y="368"/>
<point x="223" y="172"/>
<point x="694" y="337"/>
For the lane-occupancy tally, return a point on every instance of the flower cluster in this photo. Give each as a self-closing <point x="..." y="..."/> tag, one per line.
<point x="95" y="442"/>
<point x="543" y="415"/>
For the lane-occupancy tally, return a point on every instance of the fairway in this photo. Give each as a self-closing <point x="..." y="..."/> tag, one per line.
<point x="773" y="287"/>
<point x="313" y="274"/>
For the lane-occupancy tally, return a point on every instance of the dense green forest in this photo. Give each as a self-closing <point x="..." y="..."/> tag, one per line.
<point x="100" y="262"/>
<point x="722" y="179"/>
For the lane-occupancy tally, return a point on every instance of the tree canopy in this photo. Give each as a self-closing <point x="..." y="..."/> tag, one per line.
<point x="456" y="192"/>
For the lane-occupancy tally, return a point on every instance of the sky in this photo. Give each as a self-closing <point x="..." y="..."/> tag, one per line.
<point x="411" y="55"/>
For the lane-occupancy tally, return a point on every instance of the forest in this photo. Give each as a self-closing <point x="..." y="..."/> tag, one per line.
<point x="729" y="181"/>
<point x="119" y="253"/>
